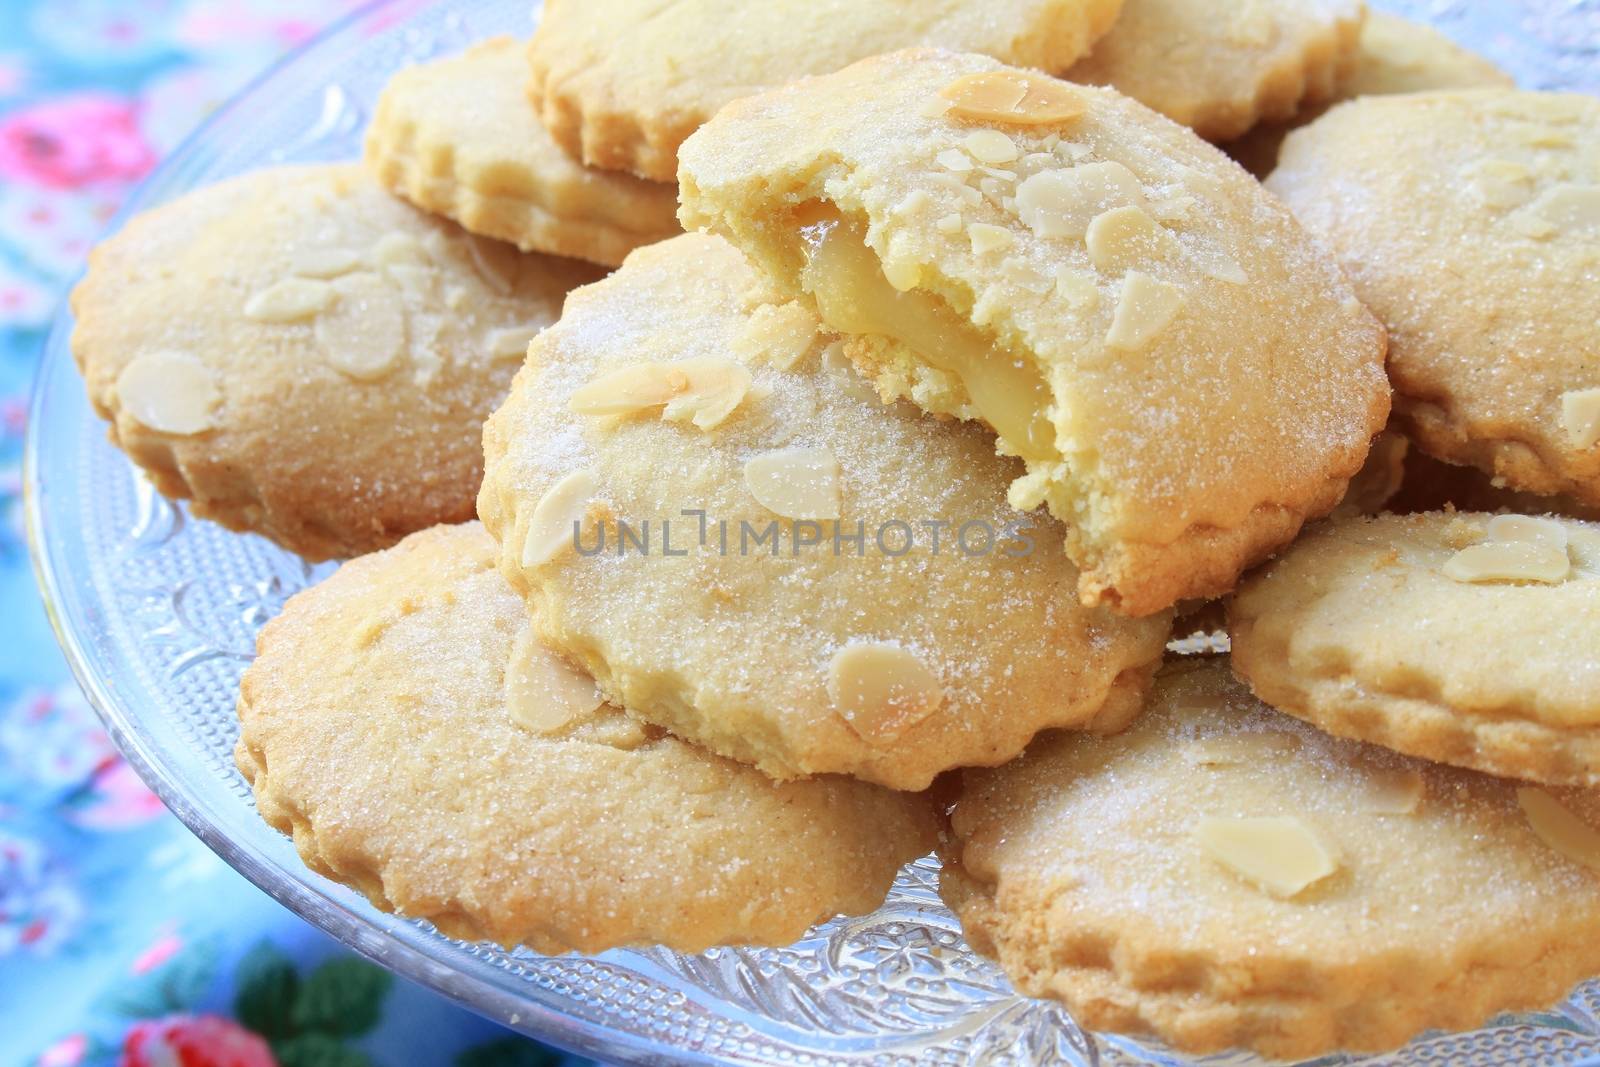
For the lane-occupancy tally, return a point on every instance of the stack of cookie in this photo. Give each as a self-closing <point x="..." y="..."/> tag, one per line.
<point x="855" y="522"/>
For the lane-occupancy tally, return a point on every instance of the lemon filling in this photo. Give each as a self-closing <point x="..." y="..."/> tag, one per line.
<point x="853" y="296"/>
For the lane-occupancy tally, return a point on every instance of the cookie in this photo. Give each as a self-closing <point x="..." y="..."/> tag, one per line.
<point x="1222" y="69"/>
<point x="1185" y="374"/>
<point x="457" y="137"/>
<point x="1428" y="484"/>
<point x="300" y="354"/>
<point x="621" y="83"/>
<point x="720" y="522"/>
<point x="1395" y="55"/>
<point x="399" y="722"/>
<point x="1379" y="481"/>
<point x="1478" y="246"/>
<point x="1466" y="638"/>
<point x="1223" y="876"/>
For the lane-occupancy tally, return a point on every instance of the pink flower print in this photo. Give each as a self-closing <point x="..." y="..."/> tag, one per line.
<point x="73" y="141"/>
<point x="115" y="800"/>
<point x="38" y="906"/>
<point x="165" y="947"/>
<point x="13" y="74"/>
<point x="68" y="1052"/>
<point x="194" y="1041"/>
<point x="53" y="738"/>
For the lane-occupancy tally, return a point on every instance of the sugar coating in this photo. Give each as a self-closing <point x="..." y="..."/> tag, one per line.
<point x="1360" y="628"/>
<point x="336" y="424"/>
<point x="621" y="83"/>
<point x="374" y="728"/>
<point x="1479" y="247"/>
<point x="457" y="136"/>
<point x="1220" y="69"/>
<point x="1078" y="868"/>
<point x="1182" y="459"/>
<point x="733" y="651"/>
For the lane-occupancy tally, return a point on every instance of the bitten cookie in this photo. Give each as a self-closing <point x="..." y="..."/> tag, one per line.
<point x="1479" y="246"/>
<point x="457" y="137"/>
<point x="1223" y="876"/>
<point x="1395" y="55"/>
<point x="377" y="728"/>
<point x="302" y="355"/>
<point x="621" y="83"/>
<point x="1186" y="376"/>
<point x="1220" y="69"/>
<point x="1465" y="638"/>
<point x="713" y="515"/>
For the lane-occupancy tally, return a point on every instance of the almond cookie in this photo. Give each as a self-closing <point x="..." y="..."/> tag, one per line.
<point x="457" y="137"/>
<point x="302" y="355"/>
<point x="400" y="723"/>
<point x="1220" y="69"/>
<point x="1466" y="638"/>
<point x="621" y="83"/>
<point x="1223" y="876"/>
<point x="1479" y="246"/>
<point x="1395" y="55"/>
<point x="1185" y="374"/>
<point x="718" y="520"/>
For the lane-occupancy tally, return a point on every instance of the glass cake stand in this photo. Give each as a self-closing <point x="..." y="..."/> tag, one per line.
<point x="158" y="613"/>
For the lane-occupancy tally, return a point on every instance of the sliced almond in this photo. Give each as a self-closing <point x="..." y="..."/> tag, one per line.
<point x="779" y="335"/>
<point x="1580" y="415"/>
<point x="365" y="336"/>
<point x="169" y="393"/>
<point x="1077" y="289"/>
<point x="290" y="300"/>
<point x="1570" y="208"/>
<point x="1509" y="561"/>
<point x="558" y="517"/>
<point x="987" y="237"/>
<point x="836" y="363"/>
<point x="1559" y="828"/>
<point x="1144" y="311"/>
<point x="545" y="693"/>
<point x="510" y="342"/>
<point x="797" y="483"/>
<point x="1062" y="203"/>
<point x="953" y="160"/>
<point x="1500" y="183"/>
<point x="704" y="391"/>
<point x="498" y="263"/>
<point x="904" y="274"/>
<point x="395" y="248"/>
<point x="1278" y="854"/>
<point x="1126" y="237"/>
<point x="882" y="690"/>
<point x="1013" y="98"/>
<point x="325" y="262"/>
<point x="990" y="146"/>
<point x="1528" y="528"/>
<point x="1390" y="790"/>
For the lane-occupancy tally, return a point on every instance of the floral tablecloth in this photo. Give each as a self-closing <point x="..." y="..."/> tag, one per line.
<point x="122" y="938"/>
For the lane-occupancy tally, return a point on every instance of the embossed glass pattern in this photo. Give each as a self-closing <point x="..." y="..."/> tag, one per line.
<point x="158" y="615"/>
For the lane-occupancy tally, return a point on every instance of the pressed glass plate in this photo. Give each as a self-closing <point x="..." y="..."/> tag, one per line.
<point x="158" y="613"/>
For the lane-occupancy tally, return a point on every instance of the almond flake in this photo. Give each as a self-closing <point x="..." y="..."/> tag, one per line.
<point x="393" y="248"/>
<point x="1546" y="532"/>
<point x="779" y="335"/>
<point x="1249" y="748"/>
<point x="544" y="693"/>
<point x="1146" y="308"/>
<point x="950" y="223"/>
<point x="1580" y="415"/>
<point x="325" y="262"/>
<point x="704" y="391"/>
<point x="558" y="516"/>
<point x="1013" y="97"/>
<point x="1278" y="854"/>
<point x="1126" y="236"/>
<point x="952" y="160"/>
<point x="1500" y="183"/>
<point x="903" y="274"/>
<point x="990" y="146"/>
<point x="1391" y="790"/>
<point x="1564" y="832"/>
<point x="290" y="300"/>
<point x="796" y="483"/>
<point x="987" y="237"/>
<point x="511" y="342"/>
<point x="365" y="336"/>
<point x="1570" y="208"/>
<point x="1062" y="203"/>
<point x="882" y="690"/>
<point x="1509" y="561"/>
<point x="170" y="393"/>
